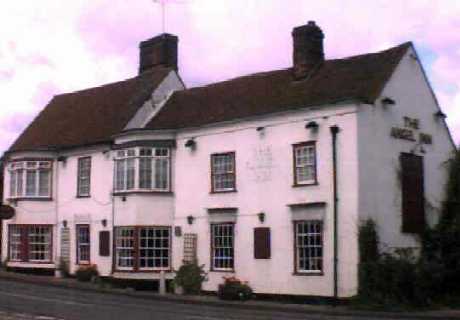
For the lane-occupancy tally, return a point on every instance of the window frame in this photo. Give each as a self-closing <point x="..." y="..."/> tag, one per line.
<point x="313" y="181"/>
<point x="24" y="251"/>
<point x="20" y="184"/>
<point x="136" y="248"/>
<point x="212" y="247"/>
<point x="78" y="244"/>
<point x="79" y="177"/>
<point x="297" y="269"/>
<point x="134" y="155"/>
<point x="232" y="154"/>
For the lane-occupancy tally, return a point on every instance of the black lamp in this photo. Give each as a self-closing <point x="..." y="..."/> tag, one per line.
<point x="261" y="216"/>
<point x="190" y="219"/>
<point x="190" y="143"/>
<point x="312" y="125"/>
<point x="388" y="101"/>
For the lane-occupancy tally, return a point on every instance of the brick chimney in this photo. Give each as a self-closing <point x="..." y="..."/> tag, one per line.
<point x="158" y="51"/>
<point x="308" y="48"/>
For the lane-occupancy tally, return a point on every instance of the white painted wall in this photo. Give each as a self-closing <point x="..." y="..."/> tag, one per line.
<point x="264" y="175"/>
<point x="65" y="204"/>
<point x="379" y="187"/>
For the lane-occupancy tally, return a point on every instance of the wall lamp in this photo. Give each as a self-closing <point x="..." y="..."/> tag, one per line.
<point x="62" y="159"/>
<point x="261" y="216"/>
<point x="440" y="115"/>
<point x="190" y="143"/>
<point x="104" y="222"/>
<point x="190" y="219"/>
<point x="64" y="223"/>
<point x="313" y="126"/>
<point x="388" y="101"/>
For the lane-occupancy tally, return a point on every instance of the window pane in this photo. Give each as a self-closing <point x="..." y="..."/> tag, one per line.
<point x="13" y="181"/>
<point x="309" y="246"/>
<point x="222" y="246"/>
<point x="39" y="243"/>
<point x="154" y="248"/>
<point x="20" y="177"/>
<point x="83" y="244"/>
<point x="130" y="173"/>
<point x="84" y="176"/>
<point x="223" y="172"/>
<point x="161" y="173"/>
<point x="15" y="243"/>
<point x="120" y="174"/>
<point x="145" y="173"/>
<point x="124" y="247"/>
<point x="31" y="182"/>
<point x="305" y="163"/>
<point x="44" y="182"/>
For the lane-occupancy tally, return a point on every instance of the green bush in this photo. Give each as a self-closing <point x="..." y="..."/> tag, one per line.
<point x="368" y="241"/>
<point x="86" y="273"/>
<point x="432" y="278"/>
<point x="234" y="289"/>
<point x="388" y="279"/>
<point x="190" y="277"/>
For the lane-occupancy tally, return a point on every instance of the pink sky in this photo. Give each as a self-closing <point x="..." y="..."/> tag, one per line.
<point x="53" y="46"/>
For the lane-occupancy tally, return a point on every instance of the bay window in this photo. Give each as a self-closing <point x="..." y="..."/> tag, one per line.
<point x="30" y="179"/>
<point x="30" y="243"/>
<point x="142" y="248"/>
<point x="142" y="169"/>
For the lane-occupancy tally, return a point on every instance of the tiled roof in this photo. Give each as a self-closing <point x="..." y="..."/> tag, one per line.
<point x="356" y="78"/>
<point x="89" y="116"/>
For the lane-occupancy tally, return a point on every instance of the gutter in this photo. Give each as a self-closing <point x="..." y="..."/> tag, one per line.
<point x="334" y="131"/>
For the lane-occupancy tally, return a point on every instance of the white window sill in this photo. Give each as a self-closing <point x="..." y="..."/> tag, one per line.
<point x="30" y="264"/>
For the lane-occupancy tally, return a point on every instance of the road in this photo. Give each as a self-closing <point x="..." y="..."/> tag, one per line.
<point x="26" y="301"/>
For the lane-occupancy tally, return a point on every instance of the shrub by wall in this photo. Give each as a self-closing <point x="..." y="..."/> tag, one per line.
<point x="86" y="273"/>
<point x="190" y="277"/>
<point x="234" y="289"/>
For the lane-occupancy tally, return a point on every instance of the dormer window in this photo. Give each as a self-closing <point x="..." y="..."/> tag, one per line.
<point x="142" y="169"/>
<point x="30" y="179"/>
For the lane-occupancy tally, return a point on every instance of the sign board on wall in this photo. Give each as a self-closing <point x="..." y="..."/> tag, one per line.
<point x="411" y="127"/>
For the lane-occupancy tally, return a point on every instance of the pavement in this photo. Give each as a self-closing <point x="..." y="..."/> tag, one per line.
<point x="39" y="297"/>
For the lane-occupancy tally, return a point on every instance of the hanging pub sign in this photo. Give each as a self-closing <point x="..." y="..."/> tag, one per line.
<point x="407" y="132"/>
<point x="6" y="212"/>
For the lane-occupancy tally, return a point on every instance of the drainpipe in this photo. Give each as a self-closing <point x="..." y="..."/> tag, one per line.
<point x="334" y="131"/>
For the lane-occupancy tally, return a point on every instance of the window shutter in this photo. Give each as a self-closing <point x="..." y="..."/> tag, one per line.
<point x="104" y="243"/>
<point x="413" y="199"/>
<point x="262" y="248"/>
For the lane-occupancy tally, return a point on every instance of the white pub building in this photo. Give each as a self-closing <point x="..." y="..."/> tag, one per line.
<point x="265" y="177"/>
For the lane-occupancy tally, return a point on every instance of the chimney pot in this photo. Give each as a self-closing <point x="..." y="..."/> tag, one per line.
<point x="158" y="51"/>
<point x="308" y="48"/>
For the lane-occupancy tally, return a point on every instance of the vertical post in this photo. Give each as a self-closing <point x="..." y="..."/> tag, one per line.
<point x="162" y="286"/>
<point x="334" y="132"/>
